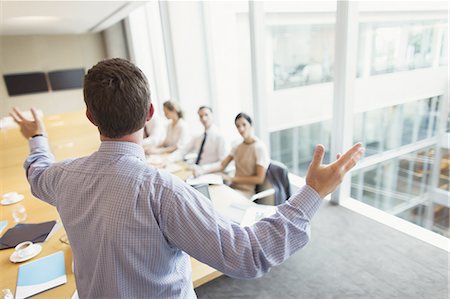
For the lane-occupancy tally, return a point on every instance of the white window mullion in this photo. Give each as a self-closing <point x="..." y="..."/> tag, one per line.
<point x="344" y="81"/>
<point x="168" y="49"/>
<point x="257" y="42"/>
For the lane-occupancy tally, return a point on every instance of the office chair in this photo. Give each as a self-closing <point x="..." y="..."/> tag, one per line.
<point x="276" y="184"/>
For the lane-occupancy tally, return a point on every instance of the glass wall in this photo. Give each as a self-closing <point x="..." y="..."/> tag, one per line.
<point x="295" y="146"/>
<point x="398" y="119"/>
<point x="402" y="187"/>
<point x="296" y="65"/>
<point x="386" y="47"/>
<point x="399" y="50"/>
<point x="300" y="37"/>
<point x="395" y="126"/>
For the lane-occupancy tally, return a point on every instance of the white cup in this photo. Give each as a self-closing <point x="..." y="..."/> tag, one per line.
<point x="24" y="249"/>
<point x="19" y="213"/>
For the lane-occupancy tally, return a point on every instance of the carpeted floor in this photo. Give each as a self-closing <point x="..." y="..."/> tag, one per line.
<point x="349" y="256"/>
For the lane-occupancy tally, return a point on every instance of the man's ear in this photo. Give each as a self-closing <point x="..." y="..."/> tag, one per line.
<point x="90" y="117"/>
<point x="150" y="112"/>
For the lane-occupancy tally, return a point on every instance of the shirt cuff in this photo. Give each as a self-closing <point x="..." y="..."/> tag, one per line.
<point x="38" y="142"/>
<point x="306" y="199"/>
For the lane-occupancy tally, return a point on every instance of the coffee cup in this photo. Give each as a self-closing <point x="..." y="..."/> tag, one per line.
<point x="24" y="249"/>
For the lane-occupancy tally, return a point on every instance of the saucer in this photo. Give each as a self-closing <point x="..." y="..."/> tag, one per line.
<point x="16" y="259"/>
<point x="10" y="201"/>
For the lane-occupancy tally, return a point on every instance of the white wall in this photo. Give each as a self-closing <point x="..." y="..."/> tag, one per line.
<point x="46" y="53"/>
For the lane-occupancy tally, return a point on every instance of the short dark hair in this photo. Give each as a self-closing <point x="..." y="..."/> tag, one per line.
<point x="174" y="106"/>
<point x="243" y="115"/>
<point x="205" y="107"/>
<point x="117" y="95"/>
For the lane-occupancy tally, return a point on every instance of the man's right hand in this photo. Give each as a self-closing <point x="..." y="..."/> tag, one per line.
<point x="28" y="128"/>
<point x="326" y="178"/>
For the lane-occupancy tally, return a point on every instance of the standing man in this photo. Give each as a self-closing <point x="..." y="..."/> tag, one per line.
<point x="209" y="148"/>
<point x="131" y="227"/>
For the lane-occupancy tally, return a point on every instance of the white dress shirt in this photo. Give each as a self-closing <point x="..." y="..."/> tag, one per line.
<point x="131" y="226"/>
<point x="215" y="148"/>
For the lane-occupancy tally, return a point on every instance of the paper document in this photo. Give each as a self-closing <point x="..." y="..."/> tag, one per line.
<point x="40" y="275"/>
<point x="254" y="214"/>
<point x="210" y="179"/>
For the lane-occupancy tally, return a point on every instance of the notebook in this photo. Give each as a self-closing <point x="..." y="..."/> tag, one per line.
<point x="41" y="275"/>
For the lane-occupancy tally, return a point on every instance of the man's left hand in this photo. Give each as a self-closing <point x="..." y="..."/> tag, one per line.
<point x="29" y="128"/>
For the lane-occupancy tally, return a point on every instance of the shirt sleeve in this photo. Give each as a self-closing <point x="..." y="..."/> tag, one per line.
<point x="262" y="156"/>
<point x="190" y="223"/>
<point x="41" y="173"/>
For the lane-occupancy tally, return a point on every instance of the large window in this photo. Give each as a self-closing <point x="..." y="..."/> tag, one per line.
<point x="397" y="109"/>
<point x="399" y="113"/>
<point x="296" y="65"/>
<point x="295" y="146"/>
<point x="386" y="47"/>
<point x="391" y="127"/>
<point x="402" y="186"/>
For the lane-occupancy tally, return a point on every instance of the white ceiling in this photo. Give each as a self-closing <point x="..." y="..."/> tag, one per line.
<point x="61" y="17"/>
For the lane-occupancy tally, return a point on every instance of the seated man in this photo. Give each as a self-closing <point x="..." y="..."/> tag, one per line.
<point x="210" y="147"/>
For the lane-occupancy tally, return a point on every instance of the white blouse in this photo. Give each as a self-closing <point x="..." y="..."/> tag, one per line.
<point x="177" y="135"/>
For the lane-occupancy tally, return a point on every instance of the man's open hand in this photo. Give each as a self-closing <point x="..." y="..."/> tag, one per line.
<point x="28" y="128"/>
<point x="326" y="178"/>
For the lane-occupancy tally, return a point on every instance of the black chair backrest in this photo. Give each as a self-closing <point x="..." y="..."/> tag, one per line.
<point x="278" y="175"/>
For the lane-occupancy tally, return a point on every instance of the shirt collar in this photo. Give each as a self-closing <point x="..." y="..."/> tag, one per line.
<point x="212" y="128"/>
<point x="123" y="147"/>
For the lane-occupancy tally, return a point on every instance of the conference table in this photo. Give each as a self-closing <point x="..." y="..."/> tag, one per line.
<point x="71" y="135"/>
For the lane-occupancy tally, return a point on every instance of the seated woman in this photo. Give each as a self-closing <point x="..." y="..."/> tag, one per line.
<point x="154" y="131"/>
<point x="251" y="159"/>
<point x="177" y="133"/>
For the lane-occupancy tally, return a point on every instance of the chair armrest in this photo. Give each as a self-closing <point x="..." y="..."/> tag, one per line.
<point x="263" y="194"/>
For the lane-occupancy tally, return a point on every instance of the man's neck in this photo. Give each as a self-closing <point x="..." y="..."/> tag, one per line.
<point x="208" y="127"/>
<point x="135" y="137"/>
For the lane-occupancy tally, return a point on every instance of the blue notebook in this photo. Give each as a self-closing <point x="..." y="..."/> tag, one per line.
<point x="40" y="275"/>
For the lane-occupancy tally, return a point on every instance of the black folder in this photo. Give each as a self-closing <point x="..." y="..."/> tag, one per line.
<point x="35" y="233"/>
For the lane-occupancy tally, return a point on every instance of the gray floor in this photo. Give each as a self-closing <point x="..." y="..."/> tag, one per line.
<point x="349" y="256"/>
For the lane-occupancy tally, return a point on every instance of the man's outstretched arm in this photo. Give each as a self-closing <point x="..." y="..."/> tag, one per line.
<point x="248" y="252"/>
<point x="37" y="166"/>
